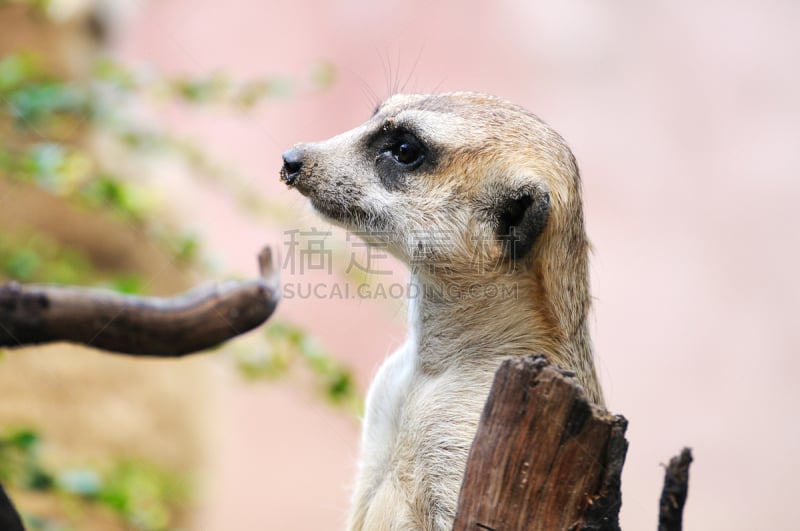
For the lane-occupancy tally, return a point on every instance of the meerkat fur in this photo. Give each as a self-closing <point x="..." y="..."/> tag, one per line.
<point x="482" y="200"/>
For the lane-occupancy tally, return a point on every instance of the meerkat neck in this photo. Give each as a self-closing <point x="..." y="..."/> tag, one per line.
<point x="468" y="322"/>
<point x="464" y="324"/>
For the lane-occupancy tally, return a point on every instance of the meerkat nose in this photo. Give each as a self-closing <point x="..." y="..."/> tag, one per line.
<point x="292" y="164"/>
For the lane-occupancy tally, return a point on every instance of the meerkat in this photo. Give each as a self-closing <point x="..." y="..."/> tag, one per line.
<point x="483" y="201"/>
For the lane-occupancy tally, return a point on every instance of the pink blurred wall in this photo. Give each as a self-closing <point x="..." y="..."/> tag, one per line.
<point x="684" y="119"/>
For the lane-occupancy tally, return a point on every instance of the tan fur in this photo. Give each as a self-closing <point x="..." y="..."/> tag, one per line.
<point x="424" y="404"/>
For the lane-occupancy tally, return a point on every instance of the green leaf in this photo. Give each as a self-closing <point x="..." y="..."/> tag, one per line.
<point x="25" y="440"/>
<point x="129" y="284"/>
<point x="81" y="481"/>
<point x="341" y="386"/>
<point x="323" y="75"/>
<point x="37" y="479"/>
<point x="17" y="69"/>
<point x="201" y="90"/>
<point x="142" y="494"/>
<point x="108" y="71"/>
<point x="23" y="264"/>
<point x="35" y="104"/>
<point x="45" y="162"/>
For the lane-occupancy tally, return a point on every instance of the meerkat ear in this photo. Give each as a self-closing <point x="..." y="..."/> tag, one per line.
<point x="521" y="218"/>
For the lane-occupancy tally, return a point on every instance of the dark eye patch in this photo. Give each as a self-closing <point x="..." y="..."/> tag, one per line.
<point x="397" y="151"/>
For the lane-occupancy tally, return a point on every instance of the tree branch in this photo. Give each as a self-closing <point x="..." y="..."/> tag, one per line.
<point x="149" y="326"/>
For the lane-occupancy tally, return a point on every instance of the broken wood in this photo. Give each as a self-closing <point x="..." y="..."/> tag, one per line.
<point x="149" y="326"/>
<point x="543" y="457"/>
<point x="674" y="492"/>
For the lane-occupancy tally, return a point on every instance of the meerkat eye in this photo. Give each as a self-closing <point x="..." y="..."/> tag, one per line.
<point x="407" y="151"/>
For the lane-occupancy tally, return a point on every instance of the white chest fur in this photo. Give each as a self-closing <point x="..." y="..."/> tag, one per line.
<point x="417" y="432"/>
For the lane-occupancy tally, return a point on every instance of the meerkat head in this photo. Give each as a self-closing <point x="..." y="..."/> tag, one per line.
<point x="456" y="181"/>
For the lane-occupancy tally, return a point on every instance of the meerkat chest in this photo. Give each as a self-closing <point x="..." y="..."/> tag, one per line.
<point x="385" y="400"/>
<point x="418" y="430"/>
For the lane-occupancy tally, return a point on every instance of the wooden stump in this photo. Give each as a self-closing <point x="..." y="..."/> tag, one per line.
<point x="543" y="458"/>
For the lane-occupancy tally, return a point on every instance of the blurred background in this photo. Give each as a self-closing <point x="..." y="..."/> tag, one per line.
<point x="140" y="151"/>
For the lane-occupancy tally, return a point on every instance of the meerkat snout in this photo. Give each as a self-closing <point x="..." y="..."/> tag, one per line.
<point x="292" y="164"/>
